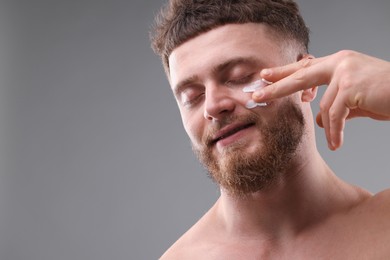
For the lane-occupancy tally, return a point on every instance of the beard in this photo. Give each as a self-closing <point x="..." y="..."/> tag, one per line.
<point x="240" y="173"/>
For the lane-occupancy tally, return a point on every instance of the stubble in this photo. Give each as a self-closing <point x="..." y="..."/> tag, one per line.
<point x="240" y="173"/>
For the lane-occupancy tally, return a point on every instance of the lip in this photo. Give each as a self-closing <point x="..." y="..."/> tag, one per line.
<point x="230" y="131"/>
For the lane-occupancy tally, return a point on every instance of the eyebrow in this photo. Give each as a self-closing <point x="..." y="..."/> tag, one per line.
<point x="217" y="69"/>
<point x="234" y="62"/>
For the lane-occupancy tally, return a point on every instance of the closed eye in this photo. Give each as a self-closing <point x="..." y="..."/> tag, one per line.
<point x="191" y="96"/>
<point x="240" y="81"/>
<point x="192" y="101"/>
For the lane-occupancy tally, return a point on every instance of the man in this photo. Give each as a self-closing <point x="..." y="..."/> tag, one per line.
<point x="279" y="199"/>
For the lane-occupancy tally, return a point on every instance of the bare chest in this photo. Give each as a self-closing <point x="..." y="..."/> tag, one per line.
<point x="336" y="240"/>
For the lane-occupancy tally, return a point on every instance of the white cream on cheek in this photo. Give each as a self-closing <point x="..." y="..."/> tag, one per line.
<point x="258" y="84"/>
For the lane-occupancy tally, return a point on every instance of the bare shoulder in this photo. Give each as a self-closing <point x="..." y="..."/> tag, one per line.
<point x="359" y="232"/>
<point x="372" y="213"/>
<point x="366" y="228"/>
<point x="182" y="248"/>
<point x="193" y="243"/>
<point x="379" y="204"/>
<point x="383" y="196"/>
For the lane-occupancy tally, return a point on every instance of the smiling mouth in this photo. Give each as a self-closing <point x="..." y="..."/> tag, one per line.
<point x="232" y="132"/>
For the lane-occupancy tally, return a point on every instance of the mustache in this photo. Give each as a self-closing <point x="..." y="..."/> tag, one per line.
<point x="210" y="133"/>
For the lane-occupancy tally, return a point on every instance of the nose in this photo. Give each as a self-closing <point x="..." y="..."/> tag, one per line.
<point x="219" y="103"/>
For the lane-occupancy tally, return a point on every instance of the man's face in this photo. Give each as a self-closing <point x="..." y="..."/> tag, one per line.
<point x="244" y="150"/>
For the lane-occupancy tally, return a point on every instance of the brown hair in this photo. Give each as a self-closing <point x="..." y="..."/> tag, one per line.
<point x="182" y="20"/>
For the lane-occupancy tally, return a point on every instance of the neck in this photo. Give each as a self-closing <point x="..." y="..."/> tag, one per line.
<point x="308" y="194"/>
<point x="305" y="195"/>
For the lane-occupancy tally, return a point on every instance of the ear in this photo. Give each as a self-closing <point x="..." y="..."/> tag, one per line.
<point x="309" y="94"/>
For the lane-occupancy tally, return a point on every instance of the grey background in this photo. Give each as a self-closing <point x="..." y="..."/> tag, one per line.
<point x="94" y="161"/>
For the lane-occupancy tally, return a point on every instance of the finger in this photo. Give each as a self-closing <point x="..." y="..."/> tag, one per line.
<point x="278" y="73"/>
<point x="319" y="120"/>
<point x="361" y="113"/>
<point x="353" y="113"/>
<point x="326" y="103"/>
<point x="303" y="78"/>
<point x="325" y="125"/>
<point x="337" y="116"/>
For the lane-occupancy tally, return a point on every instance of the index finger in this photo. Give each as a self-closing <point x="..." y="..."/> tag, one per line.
<point x="291" y="78"/>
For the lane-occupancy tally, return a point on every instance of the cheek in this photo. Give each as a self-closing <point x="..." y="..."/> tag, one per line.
<point x="193" y="126"/>
<point x="241" y="97"/>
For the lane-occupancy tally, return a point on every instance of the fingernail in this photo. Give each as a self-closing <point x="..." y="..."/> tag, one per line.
<point x="258" y="94"/>
<point x="266" y="72"/>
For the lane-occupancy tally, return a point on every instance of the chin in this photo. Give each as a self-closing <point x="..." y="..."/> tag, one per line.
<point x="251" y="165"/>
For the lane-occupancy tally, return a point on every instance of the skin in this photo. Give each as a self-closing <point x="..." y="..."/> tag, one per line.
<point x="358" y="86"/>
<point x="309" y="213"/>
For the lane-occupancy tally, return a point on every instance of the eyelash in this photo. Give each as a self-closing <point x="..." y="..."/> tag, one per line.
<point x="192" y="102"/>
<point x="243" y="80"/>
<point x="239" y="81"/>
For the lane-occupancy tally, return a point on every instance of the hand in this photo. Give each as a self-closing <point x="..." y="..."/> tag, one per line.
<point x="358" y="86"/>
